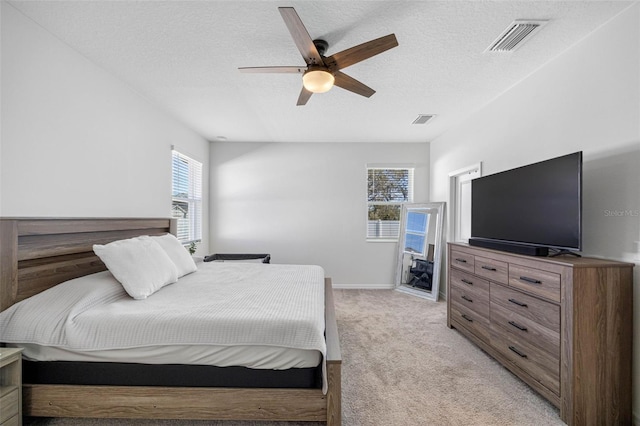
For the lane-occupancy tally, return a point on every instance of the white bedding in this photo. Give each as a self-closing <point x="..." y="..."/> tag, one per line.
<point x="222" y="305"/>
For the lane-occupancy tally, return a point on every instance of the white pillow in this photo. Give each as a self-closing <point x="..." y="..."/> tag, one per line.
<point x="177" y="253"/>
<point x="140" y="264"/>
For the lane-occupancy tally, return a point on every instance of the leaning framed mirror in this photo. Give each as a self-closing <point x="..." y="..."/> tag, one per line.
<point x="420" y="249"/>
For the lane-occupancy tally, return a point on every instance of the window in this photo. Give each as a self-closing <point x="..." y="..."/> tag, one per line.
<point x="387" y="190"/>
<point x="186" y="196"/>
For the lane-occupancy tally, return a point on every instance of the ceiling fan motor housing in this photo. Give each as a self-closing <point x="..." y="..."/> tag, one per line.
<point x="321" y="46"/>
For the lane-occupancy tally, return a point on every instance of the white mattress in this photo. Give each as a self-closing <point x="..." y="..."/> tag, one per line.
<point x="262" y="357"/>
<point x="224" y="314"/>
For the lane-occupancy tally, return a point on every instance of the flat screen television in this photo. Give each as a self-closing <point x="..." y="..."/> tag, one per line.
<point x="530" y="209"/>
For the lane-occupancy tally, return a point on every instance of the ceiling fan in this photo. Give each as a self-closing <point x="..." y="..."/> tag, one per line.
<point x="321" y="73"/>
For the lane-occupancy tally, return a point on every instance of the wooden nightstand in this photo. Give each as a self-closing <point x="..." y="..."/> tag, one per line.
<point x="10" y="387"/>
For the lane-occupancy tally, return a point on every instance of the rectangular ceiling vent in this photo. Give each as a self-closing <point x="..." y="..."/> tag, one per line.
<point x="515" y="35"/>
<point x="423" y="118"/>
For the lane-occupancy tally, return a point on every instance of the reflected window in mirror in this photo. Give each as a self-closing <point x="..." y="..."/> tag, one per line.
<point x="416" y="233"/>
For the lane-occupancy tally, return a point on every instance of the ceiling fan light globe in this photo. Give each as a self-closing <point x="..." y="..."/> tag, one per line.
<point x="318" y="81"/>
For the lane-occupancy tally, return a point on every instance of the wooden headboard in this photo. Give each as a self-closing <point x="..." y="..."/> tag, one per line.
<point x="36" y="254"/>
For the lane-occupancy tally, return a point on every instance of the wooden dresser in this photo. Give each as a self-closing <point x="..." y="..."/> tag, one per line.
<point x="563" y="325"/>
<point x="10" y="387"/>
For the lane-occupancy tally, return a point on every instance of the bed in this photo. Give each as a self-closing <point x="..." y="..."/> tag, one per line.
<point x="38" y="254"/>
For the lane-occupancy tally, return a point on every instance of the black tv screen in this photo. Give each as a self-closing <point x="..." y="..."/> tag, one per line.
<point x="537" y="205"/>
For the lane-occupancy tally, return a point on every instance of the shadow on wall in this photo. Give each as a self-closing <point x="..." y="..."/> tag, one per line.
<point x="611" y="204"/>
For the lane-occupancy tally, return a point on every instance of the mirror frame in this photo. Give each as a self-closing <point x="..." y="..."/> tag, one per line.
<point x="437" y="251"/>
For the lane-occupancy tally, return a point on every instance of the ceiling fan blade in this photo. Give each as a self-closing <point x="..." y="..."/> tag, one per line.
<point x="284" y="70"/>
<point x="304" y="96"/>
<point x="361" y="52"/>
<point x="352" y="85"/>
<point x="301" y="36"/>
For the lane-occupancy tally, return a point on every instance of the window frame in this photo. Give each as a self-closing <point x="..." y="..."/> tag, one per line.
<point x="193" y="198"/>
<point x="409" y="199"/>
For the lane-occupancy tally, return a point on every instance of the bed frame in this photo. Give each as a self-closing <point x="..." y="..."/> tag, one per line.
<point x="36" y="254"/>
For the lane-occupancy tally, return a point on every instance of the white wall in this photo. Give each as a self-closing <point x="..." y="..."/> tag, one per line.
<point x="586" y="99"/>
<point x="306" y="203"/>
<point x="76" y="141"/>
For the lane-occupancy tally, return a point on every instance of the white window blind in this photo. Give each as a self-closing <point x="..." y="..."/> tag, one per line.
<point x="387" y="190"/>
<point x="186" y="196"/>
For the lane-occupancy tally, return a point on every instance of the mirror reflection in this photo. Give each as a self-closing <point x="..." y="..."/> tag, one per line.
<point x="419" y="249"/>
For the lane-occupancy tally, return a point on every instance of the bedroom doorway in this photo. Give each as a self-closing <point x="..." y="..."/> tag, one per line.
<point x="460" y="201"/>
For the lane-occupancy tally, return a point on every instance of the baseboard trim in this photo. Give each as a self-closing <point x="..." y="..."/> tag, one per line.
<point x="364" y="286"/>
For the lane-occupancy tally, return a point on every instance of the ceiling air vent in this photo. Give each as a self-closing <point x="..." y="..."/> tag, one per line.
<point x="515" y="35"/>
<point x="423" y="118"/>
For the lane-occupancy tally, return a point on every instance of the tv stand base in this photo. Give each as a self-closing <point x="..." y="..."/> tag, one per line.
<point x="561" y="252"/>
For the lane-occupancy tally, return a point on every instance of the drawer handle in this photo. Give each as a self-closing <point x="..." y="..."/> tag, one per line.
<point x="524" y="305"/>
<point x="489" y="268"/>
<point x="466" y="317"/>
<point x="466" y="281"/>
<point x="467" y="299"/>
<point x="518" y="352"/>
<point x="460" y="260"/>
<point x="530" y="280"/>
<point x="518" y="326"/>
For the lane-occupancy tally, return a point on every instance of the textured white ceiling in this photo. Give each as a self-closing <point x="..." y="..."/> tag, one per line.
<point x="184" y="55"/>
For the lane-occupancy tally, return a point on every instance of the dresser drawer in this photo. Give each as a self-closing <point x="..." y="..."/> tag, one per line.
<point x="492" y="269"/>
<point x="13" y="421"/>
<point x="541" y="366"/>
<point x="470" y="320"/>
<point x="526" y="329"/>
<point x="469" y="282"/>
<point x="544" y="313"/>
<point x="8" y="402"/>
<point x="479" y="303"/>
<point x="462" y="261"/>
<point x="542" y="283"/>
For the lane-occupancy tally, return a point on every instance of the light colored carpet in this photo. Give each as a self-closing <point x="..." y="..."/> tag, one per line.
<point x="402" y="366"/>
